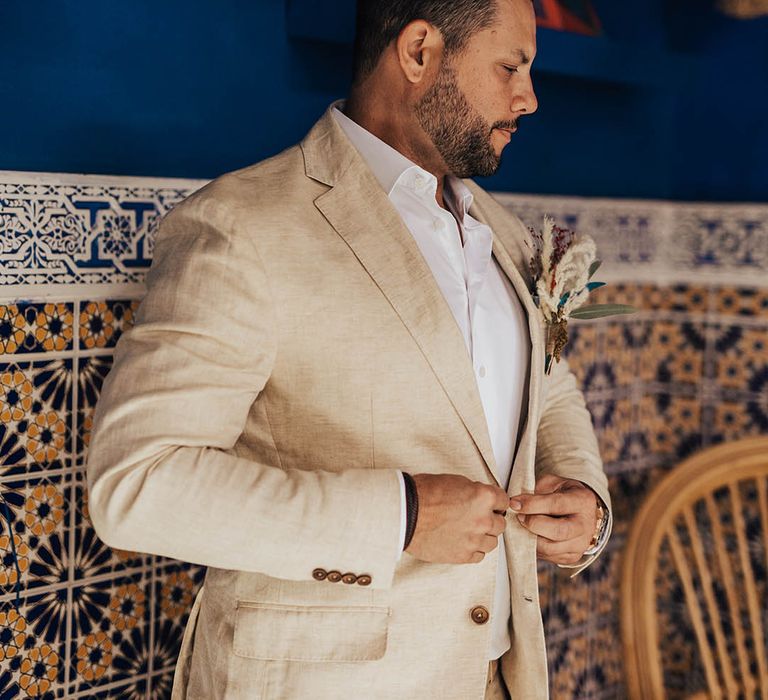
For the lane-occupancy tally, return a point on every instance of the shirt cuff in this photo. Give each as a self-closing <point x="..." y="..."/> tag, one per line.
<point x="403" y="515"/>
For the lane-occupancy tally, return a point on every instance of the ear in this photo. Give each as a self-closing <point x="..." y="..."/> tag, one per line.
<point x="419" y="49"/>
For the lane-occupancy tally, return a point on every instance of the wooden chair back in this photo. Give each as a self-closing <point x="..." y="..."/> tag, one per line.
<point x="709" y="518"/>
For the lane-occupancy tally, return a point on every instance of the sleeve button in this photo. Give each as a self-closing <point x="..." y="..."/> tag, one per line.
<point x="319" y="574"/>
<point x="364" y="580"/>
<point x="334" y="576"/>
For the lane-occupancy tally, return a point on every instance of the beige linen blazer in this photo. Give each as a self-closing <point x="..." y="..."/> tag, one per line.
<point x="292" y="352"/>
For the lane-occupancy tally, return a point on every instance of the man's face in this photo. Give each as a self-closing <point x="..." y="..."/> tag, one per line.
<point x="472" y="108"/>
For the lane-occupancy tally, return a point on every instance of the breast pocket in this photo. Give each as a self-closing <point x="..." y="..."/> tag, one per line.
<point x="274" y="632"/>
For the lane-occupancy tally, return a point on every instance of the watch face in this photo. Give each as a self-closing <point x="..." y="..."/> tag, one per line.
<point x="567" y="15"/>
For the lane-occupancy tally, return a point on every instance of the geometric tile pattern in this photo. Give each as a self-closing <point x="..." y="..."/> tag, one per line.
<point x="68" y="229"/>
<point x="662" y="242"/>
<point x="91" y="621"/>
<point x="686" y="372"/>
<point x="689" y="370"/>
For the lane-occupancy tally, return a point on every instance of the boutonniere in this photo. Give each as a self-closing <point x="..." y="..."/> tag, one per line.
<point x="562" y="267"/>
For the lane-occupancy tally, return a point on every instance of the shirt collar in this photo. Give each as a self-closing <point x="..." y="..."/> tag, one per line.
<point x="391" y="168"/>
<point x="388" y="165"/>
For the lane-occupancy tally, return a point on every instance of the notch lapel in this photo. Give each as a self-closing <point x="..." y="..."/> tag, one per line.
<point x="362" y="214"/>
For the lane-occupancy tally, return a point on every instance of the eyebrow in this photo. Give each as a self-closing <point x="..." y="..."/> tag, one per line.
<point x="523" y="57"/>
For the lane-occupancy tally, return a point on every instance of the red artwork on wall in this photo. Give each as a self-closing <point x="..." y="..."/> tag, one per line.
<point x="568" y="15"/>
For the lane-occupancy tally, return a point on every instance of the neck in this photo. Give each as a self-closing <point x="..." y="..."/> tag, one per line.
<point x="397" y="131"/>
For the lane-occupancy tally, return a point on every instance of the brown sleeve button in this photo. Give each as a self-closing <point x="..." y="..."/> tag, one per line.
<point x="334" y="576"/>
<point x="479" y="615"/>
<point x="364" y="580"/>
<point x="349" y="578"/>
<point x="319" y="574"/>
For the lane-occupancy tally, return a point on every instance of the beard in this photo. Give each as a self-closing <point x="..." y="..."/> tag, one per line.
<point x="458" y="131"/>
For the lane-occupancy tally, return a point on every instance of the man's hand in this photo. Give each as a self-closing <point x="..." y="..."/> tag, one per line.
<point x="563" y="515"/>
<point x="459" y="520"/>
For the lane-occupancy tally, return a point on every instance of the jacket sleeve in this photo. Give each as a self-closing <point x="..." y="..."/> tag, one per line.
<point x="567" y="446"/>
<point x="164" y="471"/>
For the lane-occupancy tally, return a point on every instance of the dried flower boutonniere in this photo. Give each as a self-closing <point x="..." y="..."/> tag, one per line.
<point x="562" y="267"/>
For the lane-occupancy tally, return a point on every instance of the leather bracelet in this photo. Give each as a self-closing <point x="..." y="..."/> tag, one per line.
<point x="411" y="508"/>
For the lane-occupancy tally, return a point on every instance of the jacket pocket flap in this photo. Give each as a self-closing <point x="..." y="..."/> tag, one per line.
<point x="275" y="632"/>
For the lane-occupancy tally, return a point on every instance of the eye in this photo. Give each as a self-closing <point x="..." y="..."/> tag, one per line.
<point x="510" y="69"/>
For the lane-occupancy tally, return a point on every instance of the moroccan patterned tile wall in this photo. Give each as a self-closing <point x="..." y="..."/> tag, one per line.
<point x="689" y="370"/>
<point x="78" y="619"/>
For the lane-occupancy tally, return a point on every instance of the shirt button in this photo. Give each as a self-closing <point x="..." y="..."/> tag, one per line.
<point x="438" y="224"/>
<point x="419" y="181"/>
<point x="481" y="371"/>
<point x="479" y="615"/>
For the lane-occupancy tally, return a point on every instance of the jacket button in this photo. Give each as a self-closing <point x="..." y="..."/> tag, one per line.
<point x="349" y="578"/>
<point x="334" y="576"/>
<point x="364" y="580"/>
<point x="479" y="615"/>
<point x="319" y="574"/>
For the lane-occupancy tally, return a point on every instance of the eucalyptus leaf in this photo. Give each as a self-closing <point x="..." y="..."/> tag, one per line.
<point x="594" y="267"/>
<point x="595" y="285"/>
<point x="601" y="310"/>
<point x="563" y="299"/>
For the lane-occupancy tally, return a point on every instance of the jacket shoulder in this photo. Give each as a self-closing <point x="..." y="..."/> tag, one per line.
<point x="269" y="187"/>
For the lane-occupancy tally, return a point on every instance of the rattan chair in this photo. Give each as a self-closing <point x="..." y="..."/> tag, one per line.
<point x="709" y="518"/>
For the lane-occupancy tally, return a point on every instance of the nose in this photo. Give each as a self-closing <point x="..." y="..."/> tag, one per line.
<point x="524" y="100"/>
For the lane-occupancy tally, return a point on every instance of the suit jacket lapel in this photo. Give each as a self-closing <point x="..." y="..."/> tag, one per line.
<point x="364" y="217"/>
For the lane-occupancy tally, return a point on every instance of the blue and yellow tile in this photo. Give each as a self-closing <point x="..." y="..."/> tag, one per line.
<point x="27" y="327"/>
<point x="101" y="323"/>
<point x="91" y="374"/>
<point x="91" y="556"/>
<point x="32" y="652"/>
<point x="38" y="509"/>
<point x="175" y="588"/>
<point x="110" y="632"/>
<point x="35" y="415"/>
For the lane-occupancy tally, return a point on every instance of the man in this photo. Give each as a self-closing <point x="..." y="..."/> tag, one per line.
<point x="338" y="358"/>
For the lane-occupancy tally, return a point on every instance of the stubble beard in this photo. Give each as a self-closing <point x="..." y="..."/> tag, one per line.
<point x="457" y="130"/>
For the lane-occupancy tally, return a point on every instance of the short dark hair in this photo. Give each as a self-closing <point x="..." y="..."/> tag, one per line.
<point x="379" y="22"/>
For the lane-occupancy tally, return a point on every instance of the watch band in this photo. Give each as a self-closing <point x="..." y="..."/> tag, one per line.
<point x="599" y="525"/>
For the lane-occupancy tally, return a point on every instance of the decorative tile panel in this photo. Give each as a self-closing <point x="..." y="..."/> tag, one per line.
<point x="66" y="230"/>
<point x="690" y="369"/>
<point x="662" y="242"/>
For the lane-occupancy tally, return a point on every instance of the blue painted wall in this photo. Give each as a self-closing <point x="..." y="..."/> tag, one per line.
<point x="674" y="104"/>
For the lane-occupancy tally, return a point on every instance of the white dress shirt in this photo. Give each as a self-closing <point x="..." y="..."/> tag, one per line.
<point x="457" y="249"/>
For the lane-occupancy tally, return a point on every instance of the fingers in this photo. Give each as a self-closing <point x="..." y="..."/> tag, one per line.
<point x="569" y="552"/>
<point x="500" y="499"/>
<point x="557" y="529"/>
<point x="548" y="484"/>
<point x="476" y="558"/>
<point x="558" y="503"/>
<point x="496" y="525"/>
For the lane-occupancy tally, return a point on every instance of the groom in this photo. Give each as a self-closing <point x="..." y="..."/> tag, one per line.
<point x="334" y="395"/>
